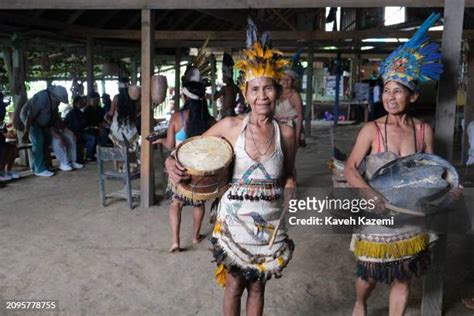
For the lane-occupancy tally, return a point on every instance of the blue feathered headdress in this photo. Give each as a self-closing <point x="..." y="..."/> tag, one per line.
<point x="416" y="61"/>
<point x="295" y="69"/>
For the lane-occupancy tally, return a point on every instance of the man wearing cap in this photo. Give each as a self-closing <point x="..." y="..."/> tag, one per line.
<point x="37" y="115"/>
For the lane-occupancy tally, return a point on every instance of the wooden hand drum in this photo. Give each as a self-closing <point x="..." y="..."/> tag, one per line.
<point x="208" y="159"/>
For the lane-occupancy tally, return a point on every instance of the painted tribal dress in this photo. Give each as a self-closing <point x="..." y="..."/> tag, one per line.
<point x="247" y="215"/>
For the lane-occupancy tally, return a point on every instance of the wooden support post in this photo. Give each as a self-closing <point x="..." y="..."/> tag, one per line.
<point x="432" y="301"/>
<point x="177" y="79"/>
<point x="147" y="185"/>
<point x="309" y="93"/>
<point x="213" y="84"/>
<point x="469" y="102"/>
<point x="448" y="84"/>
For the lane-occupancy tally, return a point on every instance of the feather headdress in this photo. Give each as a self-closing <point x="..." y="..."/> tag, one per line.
<point x="295" y="69"/>
<point x="200" y="66"/>
<point x="259" y="58"/>
<point x="418" y="60"/>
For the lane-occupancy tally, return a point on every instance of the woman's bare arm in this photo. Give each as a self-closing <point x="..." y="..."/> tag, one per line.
<point x="289" y="151"/>
<point x="170" y="141"/>
<point x="362" y="146"/>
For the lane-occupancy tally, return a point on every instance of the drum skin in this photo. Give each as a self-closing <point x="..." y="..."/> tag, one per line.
<point x="210" y="182"/>
<point x="419" y="182"/>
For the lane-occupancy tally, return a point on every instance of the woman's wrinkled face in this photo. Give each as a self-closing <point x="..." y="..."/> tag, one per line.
<point x="286" y="82"/>
<point x="261" y="95"/>
<point x="396" y="98"/>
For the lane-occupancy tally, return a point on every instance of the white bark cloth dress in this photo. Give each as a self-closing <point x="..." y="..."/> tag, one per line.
<point x="248" y="214"/>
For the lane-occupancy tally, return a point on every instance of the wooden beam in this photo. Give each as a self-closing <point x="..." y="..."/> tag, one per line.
<point x="161" y="18"/>
<point x="283" y="19"/>
<point x="195" y="22"/>
<point x="215" y="4"/>
<point x="235" y="18"/>
<point x="37" y="22"/>
<point x="309" y="36"/>
<point x="183" y="16"/>
<point x="74" y="16"/>
<point x="38" y="13"/>
<point x="106" y="18"/>
<point x="432" y="301"/>
<point x="133" y="20"/>
<point x="147" y="179"/>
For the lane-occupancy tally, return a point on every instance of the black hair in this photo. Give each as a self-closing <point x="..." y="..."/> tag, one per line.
<point x="410" y="91"/>
<point x="94" y="95"/>
<point x="126" y="108"/>
<point x="76" y="99"/>
<point x="199" y="119"/>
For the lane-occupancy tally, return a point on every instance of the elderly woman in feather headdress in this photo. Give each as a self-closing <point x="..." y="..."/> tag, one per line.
<point x="249" y="210"/>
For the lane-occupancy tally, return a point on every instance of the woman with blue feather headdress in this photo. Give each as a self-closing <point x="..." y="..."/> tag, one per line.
<point x="394" y="254"/>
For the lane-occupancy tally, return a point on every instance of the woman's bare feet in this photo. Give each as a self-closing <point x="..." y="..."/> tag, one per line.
<point x="175" y="248"/>
<point x="198" y="239"/>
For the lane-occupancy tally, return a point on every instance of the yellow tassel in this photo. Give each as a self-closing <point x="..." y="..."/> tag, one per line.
<point x="398" y="249"/>
<point x="221" y="275"/>
<point x="280" y="260"/>
<point x="260" y="267"/>
<point x="217" y="227"/>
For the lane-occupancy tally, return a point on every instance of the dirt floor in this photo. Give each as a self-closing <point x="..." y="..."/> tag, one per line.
<point x="58" y="243"/>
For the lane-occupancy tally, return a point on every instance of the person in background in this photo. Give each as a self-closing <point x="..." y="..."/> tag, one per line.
<point x="8" y="151"/>
<point x="106" y="102"/>
<point x="75" y="121"/>
<point x="289" y="108"/>
<point x="37" y="115"/>
<point x="95" y="124"/>
<point x="229" y="93"/>
<point x="64" y="146"/>
<point x="192" y="120"/>
<point x="122" y="117"/>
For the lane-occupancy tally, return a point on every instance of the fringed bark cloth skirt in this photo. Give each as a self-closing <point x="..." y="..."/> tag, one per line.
<point x="385" y="258"/>
<point x="240" y="239"/>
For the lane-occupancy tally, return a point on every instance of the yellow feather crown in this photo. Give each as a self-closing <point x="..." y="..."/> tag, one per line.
<point x="258" y="61"/>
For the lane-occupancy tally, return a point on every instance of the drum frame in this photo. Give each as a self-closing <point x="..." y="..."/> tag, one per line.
<point x="197" y="188"/>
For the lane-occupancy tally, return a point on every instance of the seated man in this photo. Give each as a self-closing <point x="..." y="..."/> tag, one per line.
<point x="75" y="121"/>
<point x="64" y="145"/>
<point x="95" y="124"/>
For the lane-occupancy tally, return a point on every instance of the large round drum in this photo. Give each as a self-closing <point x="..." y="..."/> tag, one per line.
<point x="208" y="159"/>
<point x="419" y="182"/>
